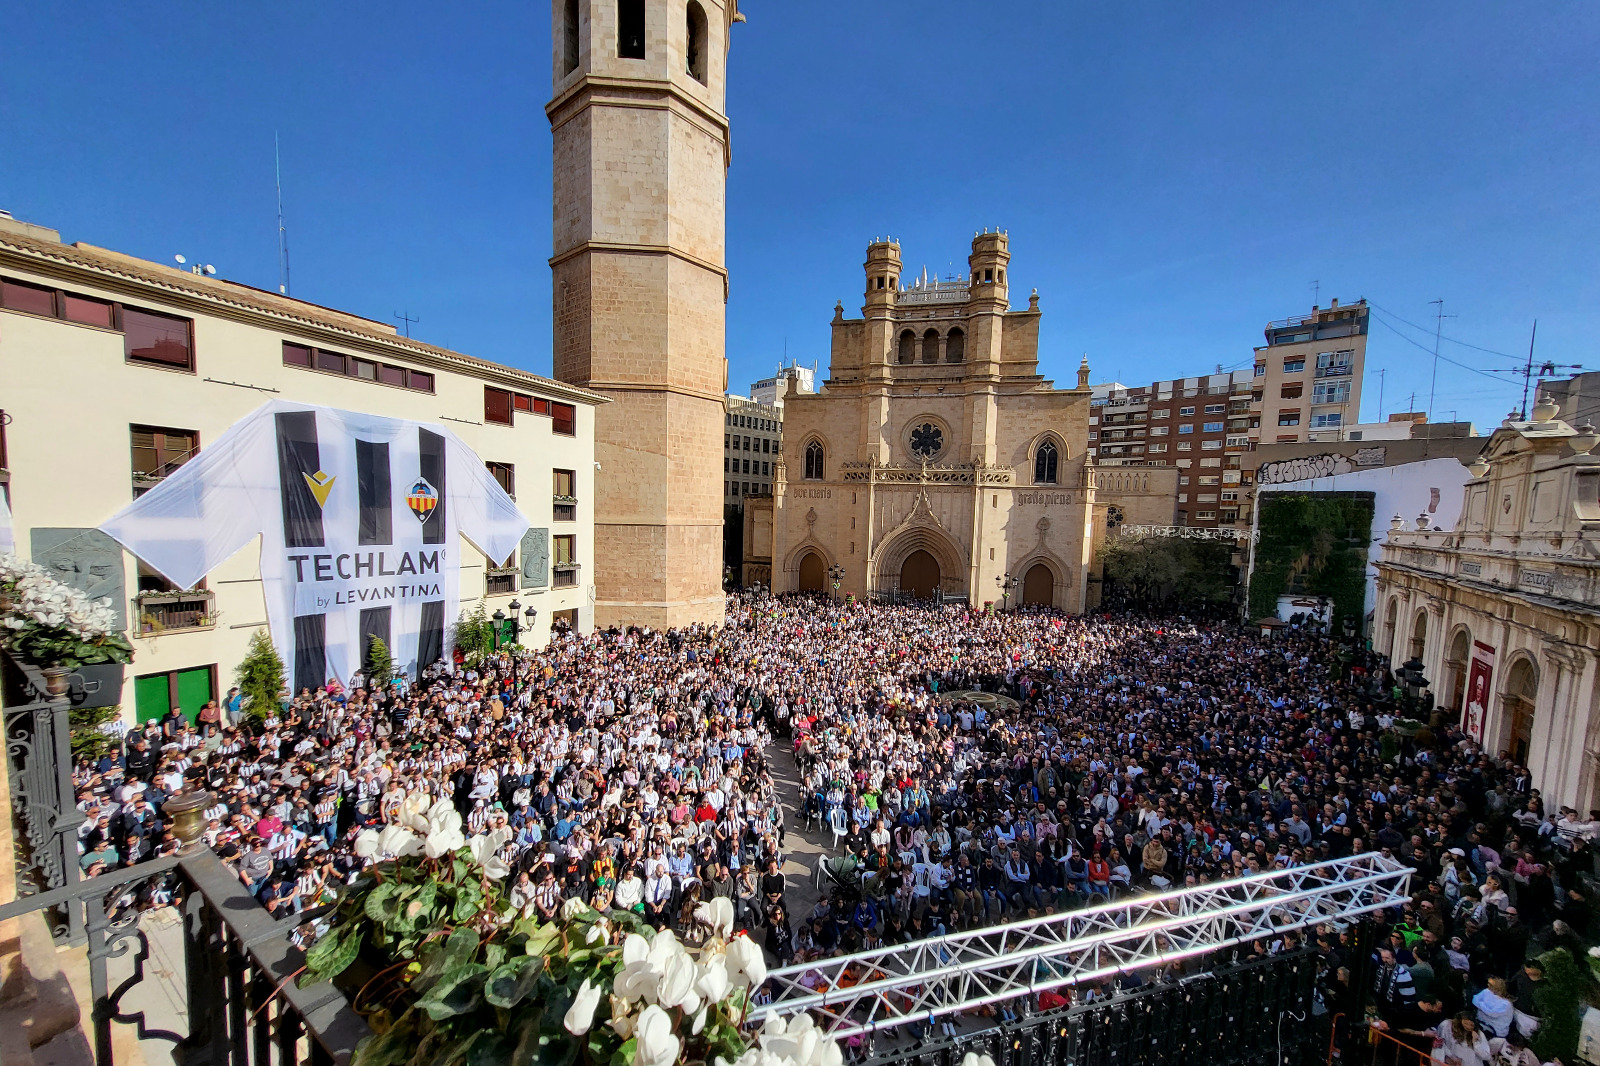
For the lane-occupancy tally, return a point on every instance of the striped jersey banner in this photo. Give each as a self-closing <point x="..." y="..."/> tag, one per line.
<point x="360" y="518"/>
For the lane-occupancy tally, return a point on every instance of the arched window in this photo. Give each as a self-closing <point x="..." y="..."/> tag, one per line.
<point x="569" y="37"/>
<point x="1045" y="462"/>
<point x="908" y="348"/>
<point x="694" y="49"/>
<point x="814" y="461"/>
<point x="1419" y="635"/>
<point x="630" y="29"/>
<point x="955" y="346"/>
<point x="930" y="346"/>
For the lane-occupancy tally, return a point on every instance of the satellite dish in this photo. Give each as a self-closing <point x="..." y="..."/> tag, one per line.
<point x="181" y="260"/>
<point x="210" y="269"/>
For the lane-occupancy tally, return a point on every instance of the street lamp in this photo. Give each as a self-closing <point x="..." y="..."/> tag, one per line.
<point x="1410" y="675"/>
<point x="836" y="572"/>
<point x="516" y="623"/>
<point x="499" y="617"/>
<point x="1006" y="583"/>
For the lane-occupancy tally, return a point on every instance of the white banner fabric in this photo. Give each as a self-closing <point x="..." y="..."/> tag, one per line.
<point x="360" y="518"/>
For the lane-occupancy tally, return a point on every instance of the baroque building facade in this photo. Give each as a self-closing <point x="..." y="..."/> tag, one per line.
<point x="1503" y="611"/>
<point x="639" y="288"/>
<point x="935" y="459"/>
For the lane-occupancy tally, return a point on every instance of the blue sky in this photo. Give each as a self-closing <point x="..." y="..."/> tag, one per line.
<point x="1172" y="175"/>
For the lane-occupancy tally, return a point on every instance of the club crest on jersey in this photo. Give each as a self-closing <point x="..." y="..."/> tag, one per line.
<point x="320" y="485"/>
<point x="422" y="499"/>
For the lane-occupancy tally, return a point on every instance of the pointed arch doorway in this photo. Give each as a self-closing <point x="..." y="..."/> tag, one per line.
<point x="1038" y="586"/>
<point x="919" y="574"/>
<point x="811" y="572"/>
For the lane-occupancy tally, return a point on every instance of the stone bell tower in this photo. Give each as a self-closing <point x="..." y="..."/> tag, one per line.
<point x="640" y="288"/>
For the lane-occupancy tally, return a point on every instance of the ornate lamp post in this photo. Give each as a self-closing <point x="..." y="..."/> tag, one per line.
<point x="516" y="623"/>
<point x="531" y="614"/>
<point x="499" y="617"/>
<point x="836" y="572"/>
<point x="1006" y="583"/>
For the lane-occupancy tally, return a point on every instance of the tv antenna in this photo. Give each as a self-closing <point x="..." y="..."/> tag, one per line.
<point x="1438" y="330"/>
<point x="283" y="232"/>
<point x="1316" y="294"/>
<point x="407" y="319"/>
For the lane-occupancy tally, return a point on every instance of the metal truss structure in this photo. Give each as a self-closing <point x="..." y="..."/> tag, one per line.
<point x="892" y="986"/>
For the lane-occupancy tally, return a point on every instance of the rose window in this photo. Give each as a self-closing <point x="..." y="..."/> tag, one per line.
<point x="927" y="440"/>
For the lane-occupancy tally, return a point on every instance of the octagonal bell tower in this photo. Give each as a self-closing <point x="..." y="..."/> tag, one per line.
<point x="639" y="285"/>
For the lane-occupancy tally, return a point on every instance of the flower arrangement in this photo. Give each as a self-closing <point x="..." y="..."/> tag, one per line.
<point x="464" y="977"/>
<point x="49" y="623"/>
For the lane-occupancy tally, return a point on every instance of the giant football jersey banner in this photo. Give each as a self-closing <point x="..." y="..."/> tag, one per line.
<point x="359" y="517"/>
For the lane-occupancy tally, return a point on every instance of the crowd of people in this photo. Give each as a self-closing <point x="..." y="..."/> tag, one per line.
<point x="651" y="771"/>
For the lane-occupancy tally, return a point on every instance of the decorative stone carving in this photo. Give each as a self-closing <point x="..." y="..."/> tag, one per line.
<point x="536" y="559"/>
<point x="86" y="559"/>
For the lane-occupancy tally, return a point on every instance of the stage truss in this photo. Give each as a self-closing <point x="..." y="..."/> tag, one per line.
<point x="893" y="986"/>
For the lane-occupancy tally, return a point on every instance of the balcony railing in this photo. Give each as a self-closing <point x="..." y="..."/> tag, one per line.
<point x="244" y="1008"/>
<point x="565" y="575"/>
<point x="164" y="612"/>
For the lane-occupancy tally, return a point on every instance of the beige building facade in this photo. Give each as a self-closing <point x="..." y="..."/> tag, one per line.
<point x="1504" y="610"/>
<point x="115" y="371"/>
<point x="640" y="286"/>
<point x="935" y="459"/>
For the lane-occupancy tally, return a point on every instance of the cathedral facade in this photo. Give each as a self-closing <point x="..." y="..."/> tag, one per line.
<point x="935" y="459"/>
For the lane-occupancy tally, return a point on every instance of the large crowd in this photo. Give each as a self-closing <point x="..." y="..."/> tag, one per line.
<point x="652" y="771"/>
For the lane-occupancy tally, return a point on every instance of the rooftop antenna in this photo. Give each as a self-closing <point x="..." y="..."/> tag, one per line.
<point x="407" y="319"/>
<point x="283" y="233"/>
<point x="1381" y="375"/>
<point x="1438" y="328"/>
<point x="1316" y="294"/>
<point x="1528" y="372"/>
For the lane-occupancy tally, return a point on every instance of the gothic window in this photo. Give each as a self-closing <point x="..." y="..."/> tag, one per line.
<point x="908" y="347"/>
<point x="630" y="29"/>
<point x="927" y="440"/>
<point x="955" y="346"/>
<point x="814" y="461"/>
<point x="1044" y="463"/>
<point x="695" y="43"/>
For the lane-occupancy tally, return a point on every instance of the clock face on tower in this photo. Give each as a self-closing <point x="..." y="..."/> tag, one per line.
<point x="927" y="440"/>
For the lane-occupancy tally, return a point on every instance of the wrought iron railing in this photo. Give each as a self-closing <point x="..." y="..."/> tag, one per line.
<point x="244" y="1008"/>
<point x="39" y="759"/>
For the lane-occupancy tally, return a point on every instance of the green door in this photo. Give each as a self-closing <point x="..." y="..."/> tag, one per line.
<point x="150" y="696"/>
<point x="194" y="690"/>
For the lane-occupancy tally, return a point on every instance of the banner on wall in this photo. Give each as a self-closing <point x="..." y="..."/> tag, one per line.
<point x="1480" y="672"/>
<point x="359" y="517"/>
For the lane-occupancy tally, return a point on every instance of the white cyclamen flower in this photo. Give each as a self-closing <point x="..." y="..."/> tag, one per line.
<point x="747" y="967"/>
<point x="399" y="841"/>
<point x="443" y="840"/>
<point x="486" y="853"/>
<point x="581" y="1014"/>
<point x="657" y="1045"/>
<point x="367" y="843"/>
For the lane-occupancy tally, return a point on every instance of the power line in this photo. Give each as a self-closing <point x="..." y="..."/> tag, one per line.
<point x="1490" y="374"/>
<point x="1452" y="340"/>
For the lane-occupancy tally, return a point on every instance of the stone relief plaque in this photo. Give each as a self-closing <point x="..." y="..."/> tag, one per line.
<point x="86" y="559"/>
<point x="536" y="559"/>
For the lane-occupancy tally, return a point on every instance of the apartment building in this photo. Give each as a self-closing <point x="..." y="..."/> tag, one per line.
<point x="751" y="444"/>
<point x="117" y="371"/>
<point x="1199" y="425"/>
<point x="1308" y="375"/>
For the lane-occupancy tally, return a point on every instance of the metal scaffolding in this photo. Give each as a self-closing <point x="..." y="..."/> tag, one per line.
<point x="893" y="986"/>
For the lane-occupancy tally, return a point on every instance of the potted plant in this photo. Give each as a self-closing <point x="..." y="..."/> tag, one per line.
<point x="58" y="628"/>
<point x="450" y="971"/>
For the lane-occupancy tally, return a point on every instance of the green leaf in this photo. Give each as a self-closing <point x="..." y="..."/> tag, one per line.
<point x="383" y="903"/>
<point x="390" y="1048"/>
<point x="494" y="955"/>
<point x="332" y="955"/>
<point x="511" y="983"/>
<point x="625" y="1053"/>
<point x="442" y="956"/>
<point x="458" y="991"/>
<point x="542" y="939"/>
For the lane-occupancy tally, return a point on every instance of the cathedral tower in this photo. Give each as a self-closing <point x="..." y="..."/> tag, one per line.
<point x="640" y="287"/>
